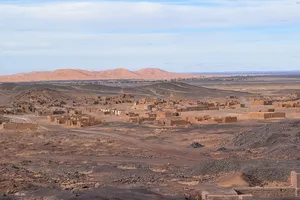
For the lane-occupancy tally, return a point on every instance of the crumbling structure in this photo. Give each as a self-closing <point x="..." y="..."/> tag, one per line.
<point x="266" y="115"/>
<point x="248" y="193"/>
<point x="74" y="120"/>
<point x="18" y="126"/>
<point x="288" y="105"/>
<point x="262" y="102"/>
<point x="172" y="121"/>
<point x="227" y="119"/>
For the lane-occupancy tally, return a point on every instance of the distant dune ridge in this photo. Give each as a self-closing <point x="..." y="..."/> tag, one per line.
<point x="78" y="74"/>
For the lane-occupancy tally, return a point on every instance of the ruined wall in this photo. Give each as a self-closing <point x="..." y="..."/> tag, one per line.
<point x="178" y="122"/>
<point x="229" y="197"/>
<point x="262" y="102"/>
<point x="197" y="119"/>
<point x="274" y="115"/>
<point x="19" y="126"/>
<point x="171" y="121"/>
<point x="227" y="119"/>
<point x="132" y="114"/>
<point x="295" y="179"/>
<point x="152" y="115"/>
<point x="213" y="108"/>
<point x="295" y="182"/>
<point x="260" y="192"/>
<point x="265" y="115"/>
<point x="268" y="192"/>
<point x="164" y="114"/>
<point x="230" y="119"/>
<point x="146" y="119"/>
<point x="144" y="106"/>
<point x="193" y="108"/>
<point x="234" y="196"/>
<point x="267" y="110"/>
<point x="133" y="120"/>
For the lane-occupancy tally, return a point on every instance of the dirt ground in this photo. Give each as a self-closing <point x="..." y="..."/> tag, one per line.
<point x="121" y="160"/>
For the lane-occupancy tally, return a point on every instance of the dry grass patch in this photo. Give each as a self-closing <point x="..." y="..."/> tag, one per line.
<point x="126" y="167"/>
<point x="189" y="183"/>
<point x="158" y="170"/>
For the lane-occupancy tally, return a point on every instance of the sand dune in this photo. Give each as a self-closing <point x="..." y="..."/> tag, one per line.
<point x="76" y="74"/>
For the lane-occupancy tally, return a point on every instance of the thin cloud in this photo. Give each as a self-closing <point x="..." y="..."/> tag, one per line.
<point x="146" y="15"/>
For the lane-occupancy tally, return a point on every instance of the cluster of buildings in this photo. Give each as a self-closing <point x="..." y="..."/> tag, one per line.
<point x="156" y="111"/>
<point x="74" y="119"/>
<point x="267" y="113"/>
<point x="170" y="112"/>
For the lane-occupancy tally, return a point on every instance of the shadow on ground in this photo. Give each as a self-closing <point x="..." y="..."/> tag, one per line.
<point x="96" y="194"/>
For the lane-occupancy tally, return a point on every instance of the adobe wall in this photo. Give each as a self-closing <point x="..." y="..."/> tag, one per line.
<point x="193" y="108"/>
<point x="148" y="119"/>
<point x="265" y="115"/>
<point x="295" y="179"/>
<point x="268" y="192"/>
<point x="262" y="102"/>
<point x="178" y="122"/>
<point x="207" y="196"/>
<point x="256" y="115"/>
<point x="19" y="126"/>
<point x="274" y="115"/>
<point x="267" y="110"/>
<point x="133" y="120"/>
<point x="172" y="121"/>
<point x="213" y="108"/>
<point x="285" y="105"/>
<point x="229" y="197"/>
<point x="163" y="114"/>
<point x="9" y="126"/>
<point x="51" y="118"/>
<point x="218" y="120"/>
<point x="260" y="192"/>
<point x="229" y="119"/>
<point x="144" y="106"/>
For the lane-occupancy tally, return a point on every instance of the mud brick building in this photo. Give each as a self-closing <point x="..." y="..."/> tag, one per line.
<point x="172" y="121"/>
<point x="262" y="102"/>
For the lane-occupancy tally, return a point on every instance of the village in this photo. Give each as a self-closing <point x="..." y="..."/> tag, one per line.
<point x="151" y="111"/>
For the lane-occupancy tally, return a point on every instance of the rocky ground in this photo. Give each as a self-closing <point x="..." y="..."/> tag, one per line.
<point x="67" y="164"/>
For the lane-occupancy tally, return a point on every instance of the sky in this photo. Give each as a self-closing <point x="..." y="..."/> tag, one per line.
<point x="174" y="35"/>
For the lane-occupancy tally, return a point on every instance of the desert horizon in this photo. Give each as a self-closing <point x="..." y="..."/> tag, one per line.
<point x="70" y="74"/>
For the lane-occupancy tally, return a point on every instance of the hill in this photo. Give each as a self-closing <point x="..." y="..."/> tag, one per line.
<point x="76" y="74"/>
<point x="182" y="90"/>
<point x="155" y="73"/>
<point x="176" y="90"/>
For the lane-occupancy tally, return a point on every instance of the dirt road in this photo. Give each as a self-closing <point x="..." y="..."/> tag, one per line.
<point x="167" y="150"/>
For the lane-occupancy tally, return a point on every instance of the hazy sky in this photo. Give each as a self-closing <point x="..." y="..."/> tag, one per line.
<point x="182" y="36"/>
